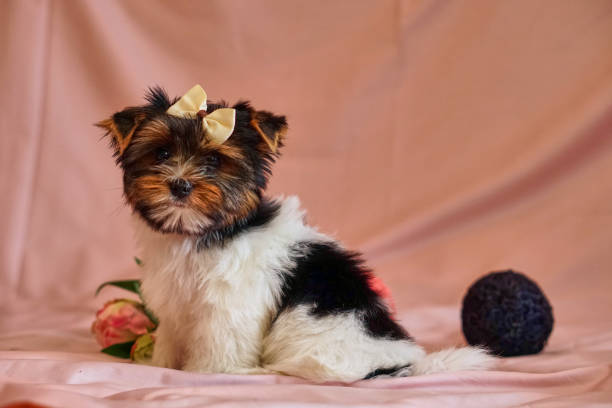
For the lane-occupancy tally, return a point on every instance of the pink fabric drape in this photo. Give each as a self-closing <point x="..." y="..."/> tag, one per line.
<point x="445" y="139"/>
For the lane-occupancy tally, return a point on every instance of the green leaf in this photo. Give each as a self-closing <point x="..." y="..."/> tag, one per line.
<point x="138" y="261"/>
<point x="131" y="285"/>
<point x="121" y="350"/>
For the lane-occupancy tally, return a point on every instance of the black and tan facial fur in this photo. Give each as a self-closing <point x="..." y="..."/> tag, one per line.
<point x="180" y="182"/>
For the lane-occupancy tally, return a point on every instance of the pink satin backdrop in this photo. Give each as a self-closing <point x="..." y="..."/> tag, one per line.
<point x="445" y="139"/>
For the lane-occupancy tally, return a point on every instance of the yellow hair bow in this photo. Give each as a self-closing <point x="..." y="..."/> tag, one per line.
<point x="218" y="124"/>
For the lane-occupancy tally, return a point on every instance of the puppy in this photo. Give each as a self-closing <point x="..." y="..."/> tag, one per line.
<point x="238" y="280"/>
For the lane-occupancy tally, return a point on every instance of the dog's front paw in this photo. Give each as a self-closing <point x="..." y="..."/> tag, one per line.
<point x="165" y="352"/>
<point x="161" y="358"/>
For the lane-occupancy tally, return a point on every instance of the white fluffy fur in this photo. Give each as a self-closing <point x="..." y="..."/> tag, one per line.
<point x="331" y="348"/>
<point x="172" y="216"/>
<point x="216" y="306"/>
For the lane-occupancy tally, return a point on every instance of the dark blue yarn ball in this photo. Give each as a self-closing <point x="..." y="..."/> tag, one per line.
<point x="507" y="313"/>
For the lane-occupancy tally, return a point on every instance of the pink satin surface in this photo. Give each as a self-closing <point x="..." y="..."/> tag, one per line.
<point x="443" y="139"/>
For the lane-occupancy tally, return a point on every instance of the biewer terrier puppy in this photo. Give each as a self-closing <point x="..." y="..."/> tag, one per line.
<point x="239" y="282"/>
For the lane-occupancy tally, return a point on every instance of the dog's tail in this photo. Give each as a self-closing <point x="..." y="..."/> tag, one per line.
<point x="453" y="359"/>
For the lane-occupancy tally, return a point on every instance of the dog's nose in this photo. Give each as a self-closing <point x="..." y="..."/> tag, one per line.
<point x="180" y="188"/>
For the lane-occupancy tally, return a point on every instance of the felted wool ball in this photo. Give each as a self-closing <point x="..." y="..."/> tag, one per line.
<point x="507" y="313"/>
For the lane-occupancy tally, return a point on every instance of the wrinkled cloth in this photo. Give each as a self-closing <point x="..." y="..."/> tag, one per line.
<point x="49" y="357"/>
<point x="444" y="139"/>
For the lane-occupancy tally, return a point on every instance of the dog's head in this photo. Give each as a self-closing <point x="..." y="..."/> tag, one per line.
<point x="179" y="180"/>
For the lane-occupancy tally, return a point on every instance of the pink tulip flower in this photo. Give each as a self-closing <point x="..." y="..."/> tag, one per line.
<point x="120" y="321"/>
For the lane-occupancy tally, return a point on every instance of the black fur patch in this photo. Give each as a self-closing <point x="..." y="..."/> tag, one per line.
<point x="335" y="281"/>
<point x="385" y="371"/>
<point x="158" y="99"/>
<point x="267" y="210"/>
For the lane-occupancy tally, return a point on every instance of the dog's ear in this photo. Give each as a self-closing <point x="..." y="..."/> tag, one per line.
<point x="271" y="128"/>
<point x="121" y="127"/>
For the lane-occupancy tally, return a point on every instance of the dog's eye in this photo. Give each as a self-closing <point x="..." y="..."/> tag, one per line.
<point x="162" y="154"/>
<point x="209" y="164"/>
<point x="211" y="160"/>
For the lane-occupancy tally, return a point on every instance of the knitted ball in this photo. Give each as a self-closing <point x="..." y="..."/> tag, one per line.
<point x="507" y="313"/>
